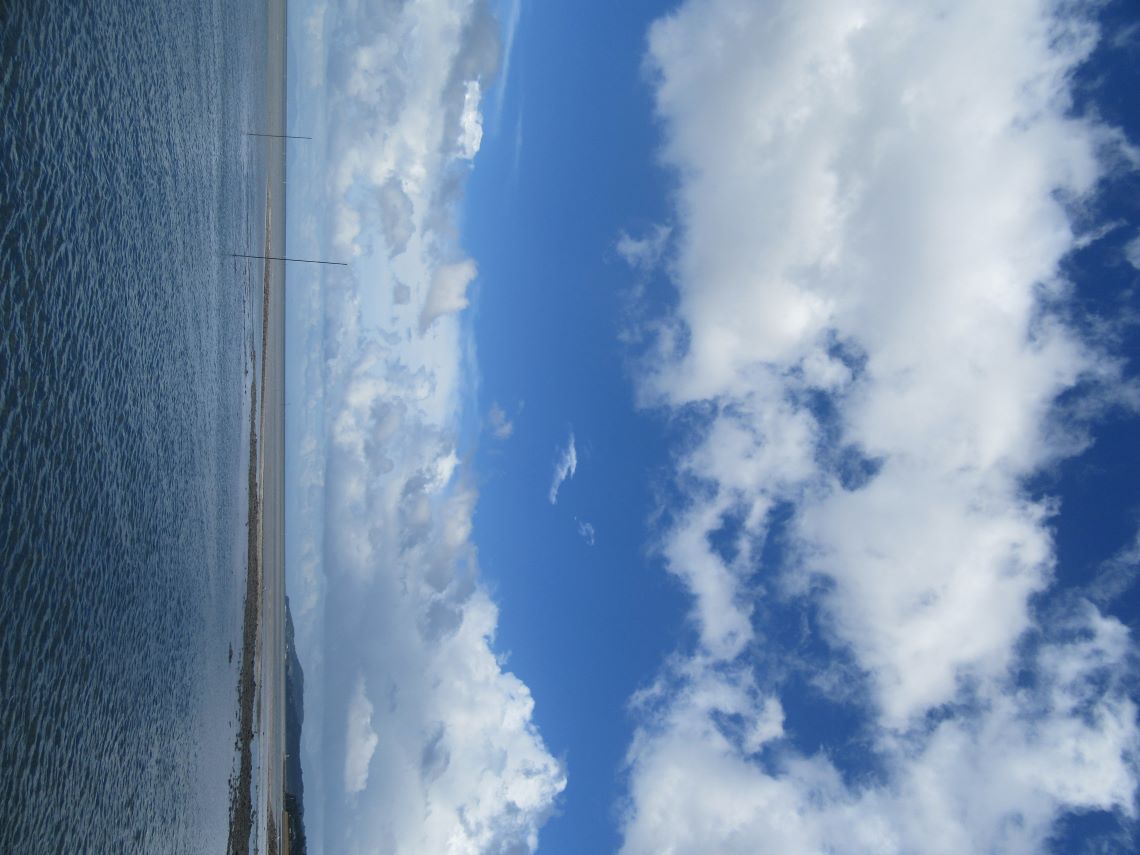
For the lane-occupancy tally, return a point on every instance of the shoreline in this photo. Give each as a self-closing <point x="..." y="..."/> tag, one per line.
<point x="257" y="818"/>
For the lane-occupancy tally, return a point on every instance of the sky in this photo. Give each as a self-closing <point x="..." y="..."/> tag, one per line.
<point x="723" y="436"/>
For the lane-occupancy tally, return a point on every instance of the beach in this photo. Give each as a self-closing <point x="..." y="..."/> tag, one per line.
<point x="257" y="821"/>
<point x="272" y="640"/>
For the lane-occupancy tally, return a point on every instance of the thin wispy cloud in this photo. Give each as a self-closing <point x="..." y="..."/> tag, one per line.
<point x="1116" y="576"/>
<point x="517" y="147"/>
<point x="1132" y="252"/>
<point x="501" y="426"/>
<point x="871" y="223"/>
<point x="564" y="467"/>
<point x="643" y="253"/>
<point x="511" y="28"/>
<point x="587" y="532"/>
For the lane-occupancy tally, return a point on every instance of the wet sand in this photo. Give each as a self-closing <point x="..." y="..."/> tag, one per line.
<point x="258" y="790"/>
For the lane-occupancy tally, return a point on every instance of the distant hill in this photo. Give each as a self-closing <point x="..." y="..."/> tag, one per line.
<point x="294" y="719"/>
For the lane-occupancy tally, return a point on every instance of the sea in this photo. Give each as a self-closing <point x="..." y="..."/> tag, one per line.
<point x="126" y="339"/>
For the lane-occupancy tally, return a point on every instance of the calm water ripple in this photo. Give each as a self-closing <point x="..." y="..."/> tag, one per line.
<point x="124" y="180"/>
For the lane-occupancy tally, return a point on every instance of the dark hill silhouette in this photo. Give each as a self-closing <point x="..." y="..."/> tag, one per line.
<point x="294" y="719"/>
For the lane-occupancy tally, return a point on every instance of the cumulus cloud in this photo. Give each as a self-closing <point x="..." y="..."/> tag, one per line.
<point x="564" y="467"/>
<point x="990" y="783"/>
<point x="501" y="426"/>
<point x="471" y="123"/>
<point x="448" y="292"/>
<point x="873" y="205"/>
<point x="416" y="739"/>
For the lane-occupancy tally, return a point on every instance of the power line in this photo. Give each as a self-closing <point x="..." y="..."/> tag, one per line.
<point x="282" y="258"/>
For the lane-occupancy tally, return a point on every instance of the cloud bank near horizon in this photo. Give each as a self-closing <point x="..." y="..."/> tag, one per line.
<point x="874" y="200"/>
<point x="416" y="738"/>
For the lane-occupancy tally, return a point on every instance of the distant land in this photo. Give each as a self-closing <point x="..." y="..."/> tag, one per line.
<point x="294" y="720"/>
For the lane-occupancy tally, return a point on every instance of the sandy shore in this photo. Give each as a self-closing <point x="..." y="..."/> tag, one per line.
<point x="272" y="695"/>
<point x="257" y="800"/>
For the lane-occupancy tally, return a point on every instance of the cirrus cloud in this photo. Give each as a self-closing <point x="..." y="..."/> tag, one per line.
<point x="565" y="466"/>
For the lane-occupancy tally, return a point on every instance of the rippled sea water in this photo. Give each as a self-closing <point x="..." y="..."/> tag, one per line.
<point x="125" y="178"/>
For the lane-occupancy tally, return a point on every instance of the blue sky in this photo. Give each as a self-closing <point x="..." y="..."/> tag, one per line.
<point x="585" y="625"/>
<point x="724" y="436"/>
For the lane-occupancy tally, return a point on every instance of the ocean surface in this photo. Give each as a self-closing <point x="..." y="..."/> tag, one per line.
<point x="125" y="339"/>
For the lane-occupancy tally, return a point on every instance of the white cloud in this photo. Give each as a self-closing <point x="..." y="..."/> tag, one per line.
<point x="439" y="752"/>
<point x="587" y="533"/>
<point x="871" y="216"/>
<point x="1117" y="575"/>
<point x="645" y="252"/>
<point x="361" y="740"/>
<point x="994" y="783"/>
<point x="501" y="426"/>
<point x="471" y="130"/>
<point x="511" y="27"/>
<point x="416" y="739"/>
<point x="448" y="292"/>
<point x="1132" y="252"/>
<point x="564" y="467"/>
